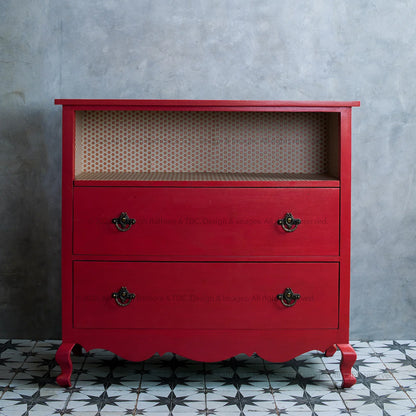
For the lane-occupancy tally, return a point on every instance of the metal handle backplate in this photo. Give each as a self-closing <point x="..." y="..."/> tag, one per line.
<point x="288" y="298"/>
<point x="123" y="297"/>
<point x="289" y="223"/>
<point x="123" y="222"/>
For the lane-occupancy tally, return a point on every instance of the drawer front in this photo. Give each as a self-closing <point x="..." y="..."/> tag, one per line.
<point x="205" y="295"/>
<point x="206" y="222"/>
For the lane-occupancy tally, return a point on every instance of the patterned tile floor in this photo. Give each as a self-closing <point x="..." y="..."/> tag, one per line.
<point x="104" y="384"/>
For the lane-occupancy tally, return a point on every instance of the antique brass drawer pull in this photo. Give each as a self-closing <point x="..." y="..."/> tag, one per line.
<point x="123" y="297"/>
<point x="123" y="222"/>
<point x="288" y="298"/>
<point x="288" y="223"/>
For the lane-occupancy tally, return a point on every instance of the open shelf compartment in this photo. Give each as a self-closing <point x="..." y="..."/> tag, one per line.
<point x="206" y="146"/>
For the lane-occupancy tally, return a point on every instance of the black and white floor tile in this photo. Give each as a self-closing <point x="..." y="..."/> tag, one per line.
<point x="104" y="384"/>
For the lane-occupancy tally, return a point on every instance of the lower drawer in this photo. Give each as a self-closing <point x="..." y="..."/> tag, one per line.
<point x="205" y="295"/>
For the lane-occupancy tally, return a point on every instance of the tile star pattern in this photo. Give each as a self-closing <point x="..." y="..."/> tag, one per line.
<point x="102" y="400"/>
<point x="104" y="384"/>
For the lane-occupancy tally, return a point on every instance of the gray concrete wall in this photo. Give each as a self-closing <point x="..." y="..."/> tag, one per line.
<point x="209" y="49"/>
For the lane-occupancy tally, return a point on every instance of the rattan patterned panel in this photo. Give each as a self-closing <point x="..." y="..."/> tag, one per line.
<point x="233" y="142"/>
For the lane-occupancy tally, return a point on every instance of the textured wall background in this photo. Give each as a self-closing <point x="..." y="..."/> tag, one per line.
<point x="209" y="49"/>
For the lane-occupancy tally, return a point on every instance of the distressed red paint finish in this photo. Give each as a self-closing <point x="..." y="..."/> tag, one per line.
<point x="206" y="256"/>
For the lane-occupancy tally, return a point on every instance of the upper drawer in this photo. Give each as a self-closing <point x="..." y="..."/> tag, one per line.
<point x="206" y="222"/>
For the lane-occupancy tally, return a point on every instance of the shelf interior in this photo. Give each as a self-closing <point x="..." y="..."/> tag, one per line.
<point x="207" y="145"/>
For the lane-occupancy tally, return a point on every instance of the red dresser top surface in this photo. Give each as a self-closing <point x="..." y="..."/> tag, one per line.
<point x="206" y="103"/>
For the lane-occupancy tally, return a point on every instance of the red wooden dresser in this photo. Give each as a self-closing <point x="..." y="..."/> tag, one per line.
<point x="206" y="228"/>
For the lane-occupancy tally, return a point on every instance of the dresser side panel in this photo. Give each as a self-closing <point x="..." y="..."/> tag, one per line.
<point x="68" y="134"/>
<point x="345" y="219"/>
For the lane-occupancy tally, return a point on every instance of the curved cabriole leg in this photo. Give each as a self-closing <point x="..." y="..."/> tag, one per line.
<point x="63" y="358"/>
<point x="331" y="351"/>
<point x="348" y="359"/>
